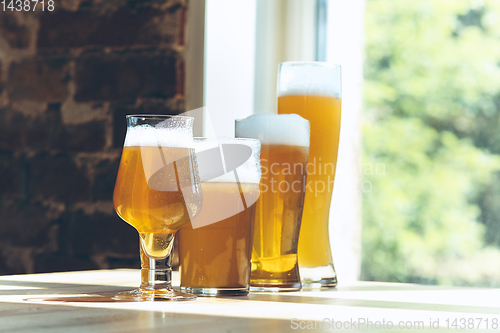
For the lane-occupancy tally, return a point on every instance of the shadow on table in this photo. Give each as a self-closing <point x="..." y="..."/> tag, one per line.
<point x="68" y="292"/>
<point x="104" y="297"/>
<point x="78" y="292"/>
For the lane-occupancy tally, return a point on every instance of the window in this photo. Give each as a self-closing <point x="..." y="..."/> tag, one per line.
<point x="431" y="117"/>
<point x="419" y="171"/>
<point x="244" y="43"/>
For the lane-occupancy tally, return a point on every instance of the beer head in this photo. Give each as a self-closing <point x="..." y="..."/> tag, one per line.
<point x="166" y="133"/>
<point x="309" y="78"/>
<point x="274" y="129"/>
<point x="161" y="149"/>
<point x="159" y="131"/>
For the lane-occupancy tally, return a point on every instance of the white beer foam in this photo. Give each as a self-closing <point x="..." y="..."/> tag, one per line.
<point x="309" y="91"/>
<point x="148" y="136"/>
<point x="275" y="129"/>
<point x="317" y="79"/>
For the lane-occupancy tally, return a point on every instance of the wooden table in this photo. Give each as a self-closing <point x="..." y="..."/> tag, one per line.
<point x="24" y="307"/>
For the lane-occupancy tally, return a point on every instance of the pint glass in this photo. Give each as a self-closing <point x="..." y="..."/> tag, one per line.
<point x="285" y="147"/>
<point x="313" y="90"/>
<point x="215" y="248"/>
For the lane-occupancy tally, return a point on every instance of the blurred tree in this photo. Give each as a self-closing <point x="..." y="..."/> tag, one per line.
<point x="432" y="97"/>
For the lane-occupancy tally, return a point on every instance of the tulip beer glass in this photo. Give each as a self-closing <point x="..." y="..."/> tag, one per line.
<point x="215" y="248"/>
<point x="157" y="191"/>
<point x="285" y="147"/>
<point x="313" y="90"/>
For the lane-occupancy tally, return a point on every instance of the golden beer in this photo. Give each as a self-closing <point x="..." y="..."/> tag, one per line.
<point x="156" y="214"/>
<point x="277" y="221"/>
<point x="323" y="113"/>
<point x="157" y="191"/>
<point x="284" y="152"/>
<point x="218" y="255"/>
<point x="215" y="248"/>
<point x="312" y="90"/>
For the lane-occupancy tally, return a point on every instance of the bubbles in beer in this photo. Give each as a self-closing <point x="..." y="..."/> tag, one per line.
<point x="274" y="129"/>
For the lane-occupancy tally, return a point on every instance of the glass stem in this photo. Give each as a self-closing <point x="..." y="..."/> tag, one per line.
<point x="156" y="273"/>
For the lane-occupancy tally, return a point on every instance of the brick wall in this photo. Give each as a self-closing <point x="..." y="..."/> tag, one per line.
<point x="67" y="80"/>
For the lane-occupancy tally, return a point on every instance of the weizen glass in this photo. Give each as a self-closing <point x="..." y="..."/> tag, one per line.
<point x="157" y="191"/>
<point x="215" y="249"/>
<point x="284" y="152"/>
<point x="313" y="91"/>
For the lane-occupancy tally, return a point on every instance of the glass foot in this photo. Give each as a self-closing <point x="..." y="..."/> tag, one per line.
<point x="214" y="292"/>
<point x="275" y="288"/>
<point x="275" y="285"/>
<point x="318" y="277"/>
<point x="148" y="295"/>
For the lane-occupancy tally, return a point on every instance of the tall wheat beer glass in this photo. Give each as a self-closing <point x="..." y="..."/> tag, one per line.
<point x="215" y="248"/>
<point x="157" y="191"/>
<point x="285" y="147"/>
<point x="313" y="90"/>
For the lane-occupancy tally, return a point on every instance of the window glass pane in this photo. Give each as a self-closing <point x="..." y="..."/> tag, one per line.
<point x="344" y="41"/>
<point x="229" y="63"/>
<point x="431" y="142"/>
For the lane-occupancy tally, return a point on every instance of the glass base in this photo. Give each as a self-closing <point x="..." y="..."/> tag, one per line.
<point x="274" y="288"/>
<point x="318" y="277"/>
<point x="216" y="291"/>
<point x="148" y="295"/>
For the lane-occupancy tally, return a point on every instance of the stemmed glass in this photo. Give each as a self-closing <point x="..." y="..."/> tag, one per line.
<point x="157" y="191"/>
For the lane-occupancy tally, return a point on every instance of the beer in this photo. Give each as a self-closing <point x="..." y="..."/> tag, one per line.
<point x="312" y="90"/>
<point x="285" y="146"/>
<point x="218" y="255"/>
<point x="157" y="191"/>
<point x="323" y="112"/>
<point x="152" y="193"/>
<point x="215" y="248"/>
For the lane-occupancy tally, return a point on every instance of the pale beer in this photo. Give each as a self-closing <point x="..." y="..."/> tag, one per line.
<point x="155" y="213"/>
<point x="157" y="191"/>
<point x="312" y="90"/>
<point x="284" y="152"/>
<point x="215" y="248"/>
<point x="218" y="255"/>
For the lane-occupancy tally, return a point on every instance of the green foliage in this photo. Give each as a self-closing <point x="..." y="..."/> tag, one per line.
<point x="431" y="116"/>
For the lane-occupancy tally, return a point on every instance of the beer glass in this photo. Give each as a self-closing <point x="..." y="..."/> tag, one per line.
<point x="313" y="90"/>
<point x="284" y="152"/>
<point x="215" y="248"/>
<point x="157" y="191"/>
